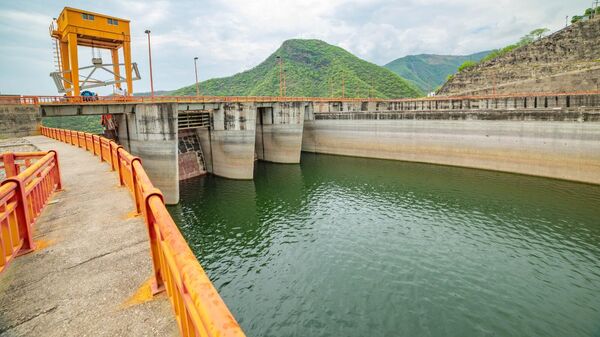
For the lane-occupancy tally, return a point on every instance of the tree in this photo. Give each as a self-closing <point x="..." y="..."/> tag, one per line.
<point x="538" y="33"/>
<point x="576" y="18"/>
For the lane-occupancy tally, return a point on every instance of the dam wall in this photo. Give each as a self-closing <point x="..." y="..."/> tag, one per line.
<point x="563" y="143"/>
<point x="19" y="120"/>
<point x="547" y="134"/>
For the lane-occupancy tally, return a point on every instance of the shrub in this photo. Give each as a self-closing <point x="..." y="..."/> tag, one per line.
<point x="467" y="65"/>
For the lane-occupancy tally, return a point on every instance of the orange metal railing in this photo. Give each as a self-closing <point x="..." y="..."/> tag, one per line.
<point x="67" y="100"/>
<point x="30" y="179"/>
<point x="198" y="308"/>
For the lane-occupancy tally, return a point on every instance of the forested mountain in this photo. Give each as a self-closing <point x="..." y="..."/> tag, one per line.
<point x="312" y="68"/>
<point x="429" y="71"/>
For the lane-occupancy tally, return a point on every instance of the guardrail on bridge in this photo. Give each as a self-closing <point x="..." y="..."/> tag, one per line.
<point x="102" y="100"/>
<point x="30" y="179"/>
<point x="199" y="309"/>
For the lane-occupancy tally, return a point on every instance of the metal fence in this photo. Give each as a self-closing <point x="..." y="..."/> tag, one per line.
<point x="30" y="179"/>
<point x="198" y="308"/>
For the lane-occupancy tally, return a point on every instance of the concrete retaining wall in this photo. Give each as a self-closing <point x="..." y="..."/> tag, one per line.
<point x="19" y="120"/>
<point x="557" y="149"/>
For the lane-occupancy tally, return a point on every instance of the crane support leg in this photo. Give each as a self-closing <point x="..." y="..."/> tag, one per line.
<point x="128" y="68"/>
<point x="65" y="64"/>
<point x="72" y="41"/>
<point x="116" y="69"/>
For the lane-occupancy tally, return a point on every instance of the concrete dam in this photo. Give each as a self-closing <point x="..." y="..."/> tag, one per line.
<point x="550" y="135"/>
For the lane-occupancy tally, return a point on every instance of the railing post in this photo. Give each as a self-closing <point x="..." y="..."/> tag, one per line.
<point x="57" y="168"/>
<point x="110" y="154"/>
<point x="157" y="285"/>
<point x="138" y="203"/>
<point x="22" y="214"/>
<point x="119" y="168"/>
<point x="10" y="168"/>
<point x="101" y="152"/>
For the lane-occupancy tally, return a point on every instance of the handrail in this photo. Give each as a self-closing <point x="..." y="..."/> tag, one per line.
<point x="68" y="100"/>
<point x="198" y="308"/>
<point x="23" y="195"/>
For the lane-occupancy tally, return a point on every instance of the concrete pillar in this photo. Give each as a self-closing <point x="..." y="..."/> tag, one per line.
<point x="151" y="134"/>
<point x="279" y="131"/>
<point x="228" y="146"/>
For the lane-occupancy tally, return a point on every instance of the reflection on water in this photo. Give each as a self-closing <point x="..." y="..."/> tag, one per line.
<point x="343" y="246"/>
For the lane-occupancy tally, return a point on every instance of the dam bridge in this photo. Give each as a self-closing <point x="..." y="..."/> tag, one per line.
<point x="179" y="137"/>
<point x="71" y="205"/>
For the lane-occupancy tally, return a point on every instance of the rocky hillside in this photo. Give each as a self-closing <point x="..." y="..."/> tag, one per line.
<point x="313" y="68"/>
<point x="568" y="60"/>
<point x="429" y="71"/>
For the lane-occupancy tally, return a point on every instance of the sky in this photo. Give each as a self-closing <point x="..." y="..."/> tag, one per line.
<point x="235" y="35"/>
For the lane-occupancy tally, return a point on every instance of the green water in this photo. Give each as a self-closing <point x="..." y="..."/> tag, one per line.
<point x="342" y="246"/>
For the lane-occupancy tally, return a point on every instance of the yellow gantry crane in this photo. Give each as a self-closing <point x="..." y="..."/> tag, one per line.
<point x="76" y="27"/>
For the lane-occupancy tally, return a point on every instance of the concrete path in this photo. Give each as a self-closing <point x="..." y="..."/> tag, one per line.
<point x="89" y="275"/>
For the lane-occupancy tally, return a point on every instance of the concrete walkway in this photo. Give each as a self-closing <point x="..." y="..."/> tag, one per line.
<point x="89" y="275"/>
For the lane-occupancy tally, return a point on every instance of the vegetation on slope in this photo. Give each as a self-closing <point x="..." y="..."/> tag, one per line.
<point x="429" y="71"/>
<point x="534" y="35"/>
<point x="313" y="68"/>
<point x="78" y="123"/>
<point x="589" y="13"/>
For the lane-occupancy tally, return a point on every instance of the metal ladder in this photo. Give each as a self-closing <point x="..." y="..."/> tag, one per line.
<point x="56" y="56"/>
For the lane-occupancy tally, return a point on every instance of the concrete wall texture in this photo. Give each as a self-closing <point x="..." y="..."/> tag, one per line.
<point x="19" y="120"/>
<point x="228" y="146"/>
<point x="151" y="134"/>
<point x="279" y="132"/>
<point x="565" y="61"/>
<point x="565" y="148"/>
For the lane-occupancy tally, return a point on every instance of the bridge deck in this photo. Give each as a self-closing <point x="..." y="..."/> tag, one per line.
<point x="85" y="277"/>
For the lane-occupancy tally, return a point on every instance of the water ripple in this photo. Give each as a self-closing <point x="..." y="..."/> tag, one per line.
<point x="354" y="247"/>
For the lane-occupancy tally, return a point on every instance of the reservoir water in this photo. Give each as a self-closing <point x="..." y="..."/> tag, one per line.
<point x="340" y="246"/>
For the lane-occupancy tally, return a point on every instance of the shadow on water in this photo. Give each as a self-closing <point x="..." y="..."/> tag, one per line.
<point x="341" y="246"/>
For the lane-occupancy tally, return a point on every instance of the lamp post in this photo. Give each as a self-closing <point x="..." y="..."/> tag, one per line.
<point x="196" y="70"/>
<point x="150" y="61"/>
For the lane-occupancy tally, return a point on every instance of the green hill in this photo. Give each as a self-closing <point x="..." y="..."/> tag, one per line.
<point x="429" y="71"/>
<point x="312" y="67"/>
